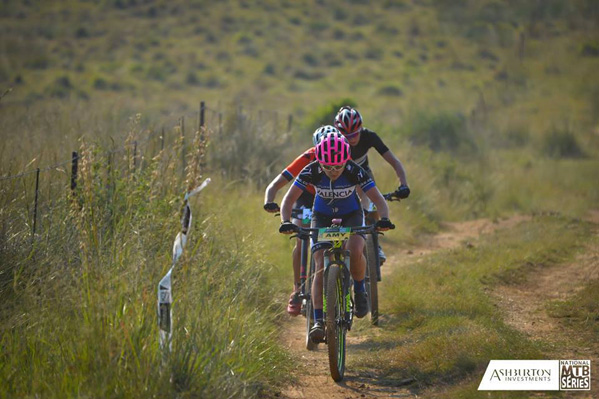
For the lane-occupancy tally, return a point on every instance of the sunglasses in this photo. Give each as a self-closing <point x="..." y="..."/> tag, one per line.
<point x="332" y="167"/>
<point x="352" y="135"/>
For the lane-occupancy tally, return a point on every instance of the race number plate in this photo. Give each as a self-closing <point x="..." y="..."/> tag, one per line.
<point x="334" y="234"/>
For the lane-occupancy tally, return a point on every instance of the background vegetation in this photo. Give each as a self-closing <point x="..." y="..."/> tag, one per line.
<point x="493" y="107"/>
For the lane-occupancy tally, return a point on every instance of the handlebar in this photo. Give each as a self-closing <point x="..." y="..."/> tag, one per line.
<point x="394" y="196"/>
<point x="306" y="232"/>
<point x="297" y="213"/>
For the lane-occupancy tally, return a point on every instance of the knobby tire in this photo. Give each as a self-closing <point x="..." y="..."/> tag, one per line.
<point x="310" y="345"/>
<point x="372" y="280"/>
<point x="335" y="333"/>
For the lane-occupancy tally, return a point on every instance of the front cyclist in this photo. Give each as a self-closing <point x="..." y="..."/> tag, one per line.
<point x="349" y="122"/>
<point x="304" y="201"/>
<point x="335" y="178"/>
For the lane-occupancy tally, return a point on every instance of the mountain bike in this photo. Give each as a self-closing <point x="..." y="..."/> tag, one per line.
<point x="338" y="302"/>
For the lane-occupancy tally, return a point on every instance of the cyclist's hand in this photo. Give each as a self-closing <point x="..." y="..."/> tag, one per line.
<point x="403" y="192"/>
<point x="287" y="227"/>
<point x="271" y="207"/>
<point x="384" y="224"/>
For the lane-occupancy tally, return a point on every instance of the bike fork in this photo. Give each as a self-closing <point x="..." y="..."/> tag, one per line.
<point x="347" y="301"/>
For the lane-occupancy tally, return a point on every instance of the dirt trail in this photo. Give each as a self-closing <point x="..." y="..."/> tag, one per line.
<point x="525" y="307"/>
<point x="312" y="379"/>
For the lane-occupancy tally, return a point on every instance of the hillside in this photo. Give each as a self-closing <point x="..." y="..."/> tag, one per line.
<point x="491" y="105"/>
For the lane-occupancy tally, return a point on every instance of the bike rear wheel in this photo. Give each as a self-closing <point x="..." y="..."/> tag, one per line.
<point x="335" y="322"/>
<point x="372" y="279"/>
<point x="310" y="345"/>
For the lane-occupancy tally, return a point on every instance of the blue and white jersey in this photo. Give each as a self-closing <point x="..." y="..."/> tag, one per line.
<point x="339" y="197"/>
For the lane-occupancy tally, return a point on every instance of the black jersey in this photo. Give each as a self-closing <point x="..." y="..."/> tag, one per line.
<point x="368" y="139"/>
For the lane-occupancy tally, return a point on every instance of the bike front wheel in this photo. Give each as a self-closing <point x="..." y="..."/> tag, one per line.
<point x="335" y="322"/>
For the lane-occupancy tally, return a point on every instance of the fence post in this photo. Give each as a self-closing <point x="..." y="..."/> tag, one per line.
<point x="74" y="167"/>
<point x="37" y="187"/>
<point x="289" y="122"/>
<point x="202" y="113"/>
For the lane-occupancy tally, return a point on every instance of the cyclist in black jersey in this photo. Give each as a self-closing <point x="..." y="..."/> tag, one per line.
<point x="349" y="122"/>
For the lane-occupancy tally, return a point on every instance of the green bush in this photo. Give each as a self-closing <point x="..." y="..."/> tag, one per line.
<point x="100" y="84"/>
<point x="60" y="88"/>
<point x="444" y="131"/>
<point x="326" y="114"/>
<point x="391" y="91"/>
<point x="590" y="49"/>
<point x="559" y="143"/>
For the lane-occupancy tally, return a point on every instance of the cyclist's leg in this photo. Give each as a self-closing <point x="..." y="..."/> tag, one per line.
<point x="317" y="331"/>
<point x="357" y="259"/>
<point x="355" y="245"/>
<point x="358" y="273"/>
<point x="317" y="281"/>
<point x="294" y="306"/>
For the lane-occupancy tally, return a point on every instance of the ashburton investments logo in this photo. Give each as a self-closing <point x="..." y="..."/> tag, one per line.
<point x="537" y="375"/>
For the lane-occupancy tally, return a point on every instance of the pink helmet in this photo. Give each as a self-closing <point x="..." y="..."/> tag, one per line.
<point x="348" y="120"/>
<point x="333" y="149"/>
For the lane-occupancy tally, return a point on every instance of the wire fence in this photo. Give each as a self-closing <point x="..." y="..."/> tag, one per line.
<point x="28" y="198"/>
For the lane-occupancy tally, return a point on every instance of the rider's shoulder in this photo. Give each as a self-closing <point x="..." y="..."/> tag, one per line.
<point x="310" y="153"/>
<point x="368" y="131"/>
<point x="312" y="167"/>
<point x="352" y="167"/>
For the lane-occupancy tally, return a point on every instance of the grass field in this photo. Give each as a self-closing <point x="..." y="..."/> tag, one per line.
<point x="492" y="106"/>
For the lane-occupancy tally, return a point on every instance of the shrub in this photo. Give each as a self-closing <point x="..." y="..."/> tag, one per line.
<point x="82" y="33"/>
<point x="100" y="84"/>
<point x="445" y="131"/>
<point x="590" y="49"/>
<point x="60" y="88"/>
<point x="269" y="69"/>
<point x="311" y="59"/>
<point x="561" y="143"/>
<point x="391" y="90"/>
<point x="374" y="53"/>
<point x="192" y="78"/>
<point x="326" y="114"/>
<point x="306" y="75"/>
<point x="338" y="34"/>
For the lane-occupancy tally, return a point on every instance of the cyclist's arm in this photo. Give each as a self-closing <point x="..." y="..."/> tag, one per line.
<point x="275" y="185"/>
<point x="288" y="200"/>
<point x="381" y="205"/>
<point x="397" y="166"/>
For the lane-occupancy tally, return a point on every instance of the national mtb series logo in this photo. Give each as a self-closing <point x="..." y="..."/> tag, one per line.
<point x="575" y="375"/>
<point x="537" y="375"/>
